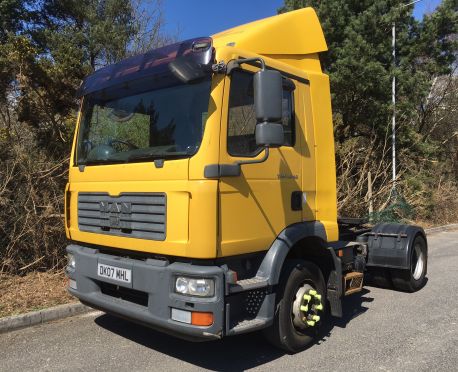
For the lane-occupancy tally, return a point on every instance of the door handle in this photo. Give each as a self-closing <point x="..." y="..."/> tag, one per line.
<point x="296" y="200"/>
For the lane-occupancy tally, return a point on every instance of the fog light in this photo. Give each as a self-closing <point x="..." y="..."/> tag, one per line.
<point x="71" y="262"/>
<point x="195" y="287"/>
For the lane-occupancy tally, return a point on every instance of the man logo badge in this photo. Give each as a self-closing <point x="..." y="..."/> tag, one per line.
<point x="115" y="215"/>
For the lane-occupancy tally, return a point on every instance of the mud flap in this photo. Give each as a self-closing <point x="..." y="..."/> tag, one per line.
<point x="334" y="286"/>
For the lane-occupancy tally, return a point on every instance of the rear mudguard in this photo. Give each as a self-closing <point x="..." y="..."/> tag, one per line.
<point x="390" y="245"/>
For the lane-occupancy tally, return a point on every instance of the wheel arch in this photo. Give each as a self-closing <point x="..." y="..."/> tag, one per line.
<point x="313" y="249"/>
<point x="304" y="240"/>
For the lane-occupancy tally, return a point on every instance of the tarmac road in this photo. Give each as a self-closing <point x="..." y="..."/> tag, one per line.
<point x="381" y="330"/>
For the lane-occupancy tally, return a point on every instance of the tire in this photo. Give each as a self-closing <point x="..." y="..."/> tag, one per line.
<point x="415" y="278"/>
<point x="297" y="276"/>
<point x="380" y="277"/>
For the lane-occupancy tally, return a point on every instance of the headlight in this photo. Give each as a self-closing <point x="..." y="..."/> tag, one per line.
<point x="71" y="263"/>
<point x="195" y="287"/>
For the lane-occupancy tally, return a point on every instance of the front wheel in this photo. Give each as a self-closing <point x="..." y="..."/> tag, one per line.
<point x="300" y="308"/>
<point x="414" y="278"/>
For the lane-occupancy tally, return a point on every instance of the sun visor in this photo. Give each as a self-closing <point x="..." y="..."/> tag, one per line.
<point x="154" y="62"/>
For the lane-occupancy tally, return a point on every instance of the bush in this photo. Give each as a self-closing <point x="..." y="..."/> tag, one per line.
<point x="32" y="181"/>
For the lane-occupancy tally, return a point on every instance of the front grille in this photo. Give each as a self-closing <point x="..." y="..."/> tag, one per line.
<point x="134" y="215"/>
<point x="126" y="294"/>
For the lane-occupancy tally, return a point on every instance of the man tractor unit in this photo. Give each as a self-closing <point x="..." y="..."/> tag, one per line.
<point x="201" y="199"/>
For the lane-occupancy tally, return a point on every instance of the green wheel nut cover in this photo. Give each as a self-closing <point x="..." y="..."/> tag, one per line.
<point x="311" y="304"/>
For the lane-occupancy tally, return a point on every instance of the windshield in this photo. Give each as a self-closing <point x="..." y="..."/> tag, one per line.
<point x="121" y="125"/>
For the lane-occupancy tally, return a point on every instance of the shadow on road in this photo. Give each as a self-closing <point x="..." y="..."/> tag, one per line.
<point x="385" y="282"/>
<point x="353" y="306"/>
<point x="229" y="354"/>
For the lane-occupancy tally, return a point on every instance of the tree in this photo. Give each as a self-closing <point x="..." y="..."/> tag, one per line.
<point x="11" y="15"/>
<point x="360" y="63"/>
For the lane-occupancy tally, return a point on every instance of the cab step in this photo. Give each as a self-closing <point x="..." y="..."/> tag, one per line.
<point x="247" y="325"/>
<point x="249" y="284"/>
<point x="353" y="282"/>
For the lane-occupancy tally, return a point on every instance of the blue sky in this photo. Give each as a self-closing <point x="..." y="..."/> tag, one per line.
<point x="192" y="18"/>
<point x="425" y="6"/>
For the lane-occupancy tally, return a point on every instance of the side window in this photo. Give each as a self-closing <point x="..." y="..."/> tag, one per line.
<point x="241" y="139"/>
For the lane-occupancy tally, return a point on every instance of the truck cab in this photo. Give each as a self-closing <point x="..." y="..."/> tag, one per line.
<point x="202" y="192"/>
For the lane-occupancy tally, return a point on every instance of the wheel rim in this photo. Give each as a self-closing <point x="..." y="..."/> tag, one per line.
<point x="418" y="262"/>
<point x="307" y="307"/>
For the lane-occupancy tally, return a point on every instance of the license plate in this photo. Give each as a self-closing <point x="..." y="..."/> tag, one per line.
<point x="115" y="273"/>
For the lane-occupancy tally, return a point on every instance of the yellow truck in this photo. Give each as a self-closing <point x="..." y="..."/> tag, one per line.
<point x="201" y="199"/>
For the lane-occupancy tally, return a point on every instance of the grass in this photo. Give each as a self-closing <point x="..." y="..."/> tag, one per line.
<point x="32" y="292"/>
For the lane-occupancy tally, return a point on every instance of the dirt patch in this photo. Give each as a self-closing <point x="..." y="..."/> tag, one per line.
<point x="34" y="291"/>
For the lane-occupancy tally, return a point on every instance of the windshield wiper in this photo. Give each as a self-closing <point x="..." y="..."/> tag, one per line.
<point x="154" y="156"/>
<point x="101" y="161"/>
<point x="147" y="156"/>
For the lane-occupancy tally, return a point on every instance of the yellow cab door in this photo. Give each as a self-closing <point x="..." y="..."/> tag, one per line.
<point x="257" y="205"/>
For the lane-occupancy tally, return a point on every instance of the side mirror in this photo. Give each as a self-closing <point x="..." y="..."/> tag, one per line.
<point x="268" y="96"/>
<point x="270" y="134"/>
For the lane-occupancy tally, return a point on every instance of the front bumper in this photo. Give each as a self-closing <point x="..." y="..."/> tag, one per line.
<point x="154" y="281"/>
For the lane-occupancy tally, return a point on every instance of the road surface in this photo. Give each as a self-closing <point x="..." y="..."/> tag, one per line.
<point x="382" y="330"/>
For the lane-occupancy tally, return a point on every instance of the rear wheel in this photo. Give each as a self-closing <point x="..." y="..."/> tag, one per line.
<point x="413" y="279"/>
<point x="300" y="309"/>
<point x="380" y="277"/>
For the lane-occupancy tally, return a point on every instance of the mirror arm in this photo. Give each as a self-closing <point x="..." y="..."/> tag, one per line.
<point x="237" y="62"/>
<point x="219" y="68"/>
<point x="255" y="161"/>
